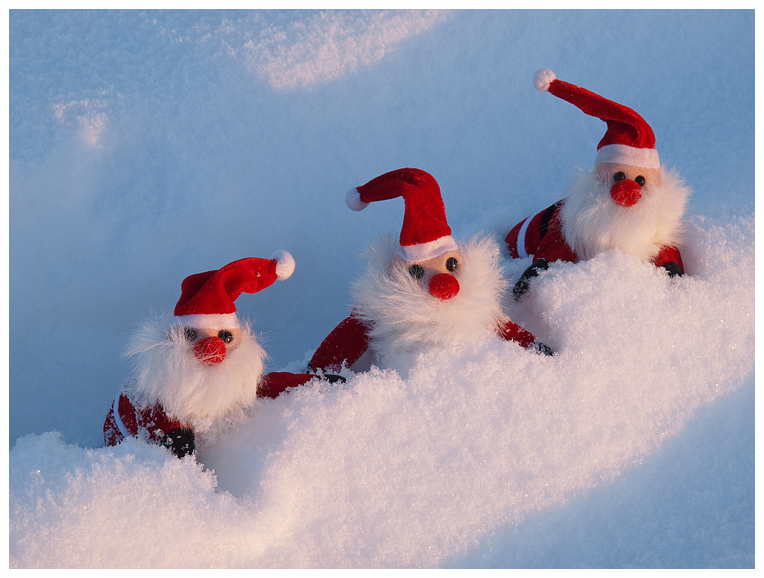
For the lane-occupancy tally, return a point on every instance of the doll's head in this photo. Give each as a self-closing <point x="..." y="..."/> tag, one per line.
<point x="203" y="364"/>
<point x="629" y="201"/>
<point x="425" y="289"/>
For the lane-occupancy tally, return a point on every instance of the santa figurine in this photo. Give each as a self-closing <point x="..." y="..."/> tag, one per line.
<point x="201" y="368"/>
<point x="425" y="290"/>
<point x="628" y="202"/>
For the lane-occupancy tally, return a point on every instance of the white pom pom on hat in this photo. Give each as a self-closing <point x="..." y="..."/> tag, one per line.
<point x="353" y="200"/>
<point x="543" y="78"/>
<point x="284" y="264"/>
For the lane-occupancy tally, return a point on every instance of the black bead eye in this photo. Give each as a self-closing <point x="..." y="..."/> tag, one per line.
<point x="225" y="335"/>
<point x="619" y="176"/>
<point x="640" y="181"/>
<point x="416" y="271"/>
<point x="189" y="334"/>
<point x="452" y="264"/>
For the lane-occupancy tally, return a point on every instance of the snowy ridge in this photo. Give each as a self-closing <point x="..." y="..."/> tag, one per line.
<point x="473" y="439"/>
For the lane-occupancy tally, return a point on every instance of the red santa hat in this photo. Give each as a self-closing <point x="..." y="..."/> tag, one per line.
<point x="629" y="139"/>
<point x="207" y="299"/>
<point x="425" y="233"/>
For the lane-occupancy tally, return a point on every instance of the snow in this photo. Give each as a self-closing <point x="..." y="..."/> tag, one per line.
<point x="149" y="145"/>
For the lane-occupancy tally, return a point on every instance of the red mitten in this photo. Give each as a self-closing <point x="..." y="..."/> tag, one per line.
<point x="511" y="331"/>
<point x="275" y="383"/>
<point x="670" y="259"/>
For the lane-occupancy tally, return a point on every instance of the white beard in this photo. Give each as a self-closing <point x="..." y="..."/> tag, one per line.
<point x="406" y="319"/>
<point x="198" y="395"/>
<point x="592" y="222"/>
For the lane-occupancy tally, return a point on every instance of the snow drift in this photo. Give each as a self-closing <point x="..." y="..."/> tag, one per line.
<point x="151" y="145"/>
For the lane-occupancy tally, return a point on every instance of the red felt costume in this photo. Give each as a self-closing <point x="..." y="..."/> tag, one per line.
<point x="350" y="340"/>
<point x="152" y="424"/>
<point x="541" y="237"/>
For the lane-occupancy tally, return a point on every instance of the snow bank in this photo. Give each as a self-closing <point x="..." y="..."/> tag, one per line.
<point x="391" y="472"/>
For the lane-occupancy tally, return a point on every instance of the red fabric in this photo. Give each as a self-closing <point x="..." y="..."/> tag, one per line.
<point x="511" y="331"/>
<point x="346" y="343"/>
<point x="150" y="424"/>
<point x="275" y="383"/>
<point x="553" y="247"/>
<point x="214" y="292"/>
<point x="550" y="246"/>
<point x="425" y="214"/>
<point x="624" y="125"/>
<point x="511" y="240"/>
<point x="669" y="254"/>
<point x="349" y="341"/>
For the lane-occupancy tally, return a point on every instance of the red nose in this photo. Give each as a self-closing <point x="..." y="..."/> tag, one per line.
<point x="444" y="286"/>
<point x="626" y="192"/>
<point x="210" y="350"/>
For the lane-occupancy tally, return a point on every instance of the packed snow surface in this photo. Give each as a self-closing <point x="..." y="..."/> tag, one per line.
<point x="149" y="145"/>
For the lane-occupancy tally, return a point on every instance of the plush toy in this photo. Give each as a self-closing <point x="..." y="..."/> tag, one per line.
<point x="628" y="202"/>
<point x="423" y="291"/>
<point x="201" y="368"/>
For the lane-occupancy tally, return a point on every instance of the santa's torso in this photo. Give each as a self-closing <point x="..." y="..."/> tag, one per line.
<point x="541" y="237"/>
<point x="351" y="345"/>
<point x="150" y="423"/>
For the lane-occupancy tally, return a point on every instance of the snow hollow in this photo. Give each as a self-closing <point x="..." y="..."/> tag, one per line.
<point x="149" y="145"/>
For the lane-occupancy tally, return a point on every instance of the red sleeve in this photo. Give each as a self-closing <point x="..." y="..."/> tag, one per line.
<point x="346" y="343"/>
<point x="111" y="434"/>
<point x="274" y="383"/>
<point x="149" y="424"/>
<point x="511" y="331"/>
<point x="526" y="238"/>
<point x="669" y="254"/>
<point x="154" y="423"/>
<point x="553" y="246"/>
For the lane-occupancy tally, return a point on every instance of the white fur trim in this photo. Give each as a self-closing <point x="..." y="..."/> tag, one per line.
<point x="628" y="155"/>
<point x="208" y="321"/>
<point x="353" y="200"/>
<point x="118" y="418"/>
<point x="424" y="251"/>
<point x="543" y="78"/>
<point x="521" y="238"/>
<point x="284" y="264"/>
